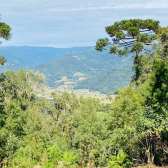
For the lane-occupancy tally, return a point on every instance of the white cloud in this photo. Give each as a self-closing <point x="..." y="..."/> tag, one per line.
<point x="141" y="4"/>
<point x="151" y="4"/>
<point x="72" y="22"/>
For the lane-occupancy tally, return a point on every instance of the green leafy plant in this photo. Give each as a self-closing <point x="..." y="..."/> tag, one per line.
<point x="120" y="160"/>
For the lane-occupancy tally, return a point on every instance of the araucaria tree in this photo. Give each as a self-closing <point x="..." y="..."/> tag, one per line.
<point x="130" y="36"/>
<point x="5" y="33"/>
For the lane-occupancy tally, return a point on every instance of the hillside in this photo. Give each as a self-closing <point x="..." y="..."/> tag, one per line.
<point x="27" y="56"/>
<point x="67" y="66"/>
<point x="72" y="68"/>
<point x="109" y="81"/>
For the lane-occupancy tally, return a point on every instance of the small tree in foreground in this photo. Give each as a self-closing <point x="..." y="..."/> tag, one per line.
<point x="129" y="36"/>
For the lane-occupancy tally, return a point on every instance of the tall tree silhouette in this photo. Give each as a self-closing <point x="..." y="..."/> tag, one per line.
<point x="130" y="36"/>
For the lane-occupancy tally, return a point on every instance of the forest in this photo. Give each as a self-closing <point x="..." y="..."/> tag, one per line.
<point x="77" y="132"/>
<point x="108" y="81"/>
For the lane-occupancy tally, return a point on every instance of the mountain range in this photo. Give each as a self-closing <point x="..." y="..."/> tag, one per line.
<point x="28" y="56"/>
<point x="80" y="66"/>
<point x="75" y="67"/>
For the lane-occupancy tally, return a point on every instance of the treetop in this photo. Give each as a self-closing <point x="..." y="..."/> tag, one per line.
<point x="133" y="23"/>
<point x="5" y="30"/>
<point x="127" y="32"/>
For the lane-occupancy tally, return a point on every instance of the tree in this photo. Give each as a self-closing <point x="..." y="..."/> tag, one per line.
<point x="130" y="36"/>
<point x="140" y="115"/>
<point x="5" y="33"/>
<point x="17" y="94"/>
<point x="91" y="137"/>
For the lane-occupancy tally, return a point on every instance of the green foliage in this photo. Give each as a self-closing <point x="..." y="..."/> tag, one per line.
<point x="159" y="85"/>
<point x="164" y="37"/>
<point x="123" y="51"/>
<point x="100" y="44"/>
<point x="112" y="30"/>
<point x="113" y="50"/>
<point x="119" y="35"/>
<point x="2" y="60"/>
<point x="22" y="85"/>
<point x="108" y="81"/>
<point x="126" y="32"/>
<point x="119" y="161"/>
<point x="142" y="38"/>
<point x="55" y="154"/>
<point x="139" y="115"/>
<point x="91" y="134"/>
<point x="127" y="25"/>
<point x="137" y="47"/>
<point x="5" y="31"/>
<point x="68" y="158"/>
<point x="24" y="157"/>
<point x="17" y="90"/>
<point x="133" y="31"/>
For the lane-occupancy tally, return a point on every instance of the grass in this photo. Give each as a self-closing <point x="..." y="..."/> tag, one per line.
<point x="79" y="74"/>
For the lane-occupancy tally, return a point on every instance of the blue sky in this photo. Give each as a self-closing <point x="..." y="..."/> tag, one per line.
<point x="69" y="23"/>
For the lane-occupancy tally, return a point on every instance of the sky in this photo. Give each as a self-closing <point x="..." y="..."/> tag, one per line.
<point x="70" y="23"/>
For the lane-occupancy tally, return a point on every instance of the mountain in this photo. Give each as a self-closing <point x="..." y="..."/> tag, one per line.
<point x="108" y="81"/>
<point x="74" y="67"/>
<point x="68" y="66"/>
<point x="28" y="56"/>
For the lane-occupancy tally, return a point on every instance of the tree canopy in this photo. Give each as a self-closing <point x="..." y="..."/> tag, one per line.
<point x="5" y="33"/>
<point x="130" y="36"/>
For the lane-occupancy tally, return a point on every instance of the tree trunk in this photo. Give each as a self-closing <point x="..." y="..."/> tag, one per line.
<point x="137" y="71"/>
<point x="149" y="152"/>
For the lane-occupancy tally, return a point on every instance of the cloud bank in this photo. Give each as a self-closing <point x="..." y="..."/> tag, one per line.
<point x="69" y="23"/>
<point x="147" y="5"/>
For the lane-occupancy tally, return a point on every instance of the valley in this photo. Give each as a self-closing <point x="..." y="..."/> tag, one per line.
<point x="104" y="105"/>
<point x="72" y="68"/>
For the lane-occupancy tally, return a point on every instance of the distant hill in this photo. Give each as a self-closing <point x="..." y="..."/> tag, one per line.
<point x="67" y="66"/>
<point x="80" y="66"/>
<point x="109" y="81"/>
<point x="26" y="56"/>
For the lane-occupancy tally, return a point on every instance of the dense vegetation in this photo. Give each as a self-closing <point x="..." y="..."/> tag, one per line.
<point x="108" y="81"/>
<point x="72" y="132"/>
<point x="87" y="64"/>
